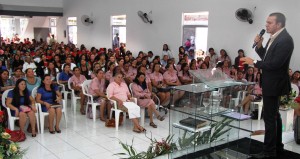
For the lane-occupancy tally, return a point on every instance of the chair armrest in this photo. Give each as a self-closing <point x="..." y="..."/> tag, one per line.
<point x="115" y="103"/>
<point x="134" y="100"/>
<point x="158" y="100"/>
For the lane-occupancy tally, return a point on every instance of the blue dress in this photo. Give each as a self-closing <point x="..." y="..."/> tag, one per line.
<point x="22" y="101"/>
<point x="46" y="96"/>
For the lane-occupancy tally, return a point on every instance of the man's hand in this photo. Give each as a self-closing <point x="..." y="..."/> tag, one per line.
<point x="258" y="40"/>
<point x="247" y="60"/>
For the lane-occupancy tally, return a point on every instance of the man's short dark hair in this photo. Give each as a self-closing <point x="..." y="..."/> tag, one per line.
<point x="280" y="18"/>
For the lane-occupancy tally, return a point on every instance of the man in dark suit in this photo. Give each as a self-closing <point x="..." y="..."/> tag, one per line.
<point x="275" y="62"/>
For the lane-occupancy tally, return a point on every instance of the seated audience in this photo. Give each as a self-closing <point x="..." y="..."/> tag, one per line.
<point x="31" y="80"/>
<point x="65" y="75"/>
<point x="84" y="68"/>
<point x="48" y="95"/>
<point x="109" y="73"/>
<point x="22" y="105"/>
<point x="171" y="79"/>
<point x="17" y="75"/>
<point x="76" y="82"/>
<point x="129" y="75"/>
<point x="184" y="75"/>
<point x="119" y="92"/>
<point x="239" y="64"/>
<point x="296" y="78"/>
<point x="28" y="64"/>
<point x="96" y="67"/>
<point x="223" y="56"/>
<point x="143" y="95"/>
<point x="254" y="95"/>
<point x="5" y="82"/>
<point x="157" y="81"/>
<point x="17" y="62"/>
<point x="52" y="71"/>
<point x="97" y="90"/>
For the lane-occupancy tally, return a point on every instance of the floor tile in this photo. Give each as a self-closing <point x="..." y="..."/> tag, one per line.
<point x="85" y="139"/>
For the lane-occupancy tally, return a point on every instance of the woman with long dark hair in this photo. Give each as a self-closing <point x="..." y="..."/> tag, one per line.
<point x="184" y="75"/>
<point x="157" y="81"/>
<point x="52" y="71"/>
<point x="143" y="95"/>
<point x="22" y="105"/>
<point x="5" y="82"/>
<point x="167" y="51"/>
<point x="49" y="95"/>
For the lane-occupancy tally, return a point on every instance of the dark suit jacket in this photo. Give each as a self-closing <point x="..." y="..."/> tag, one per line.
<point x="275" y="79"/>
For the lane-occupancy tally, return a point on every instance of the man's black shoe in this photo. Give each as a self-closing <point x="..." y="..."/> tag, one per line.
<point x="280" y="152"/>
<point x="264" y="155"/>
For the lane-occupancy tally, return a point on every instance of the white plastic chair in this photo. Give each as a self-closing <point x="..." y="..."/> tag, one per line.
<point x="260" y="106"/>
<point x="74" y="98"/>
<point x="117" y="112"/>
<point x="12" y="119"/>
<point x="63" y="89"/>
<point x="240" y="96"/>
<point x="44" y="114"/>
<point x="33" y="94"/>
<point x="142" y="109"/>
<point x="90" y="98"/>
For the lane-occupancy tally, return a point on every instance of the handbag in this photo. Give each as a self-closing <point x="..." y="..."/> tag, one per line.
<point x="25" y="109"/>
<point x="16" y="135"/>
<point x="112" y="122"/>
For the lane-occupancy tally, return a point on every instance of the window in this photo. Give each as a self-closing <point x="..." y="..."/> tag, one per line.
<point x="118" y="24"/>
<point x="195" y="29"/>
<point x="7" y="28"/>
<point x="72" y="30"/>
<point x="52" y="26"/>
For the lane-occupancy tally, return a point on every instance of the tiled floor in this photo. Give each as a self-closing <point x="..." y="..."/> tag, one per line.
<point x="85" y="139"/>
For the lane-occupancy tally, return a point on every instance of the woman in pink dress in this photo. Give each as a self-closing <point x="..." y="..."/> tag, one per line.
<point x="157" y="81"/>
<point x="97" y="90"/>
<point x="119" y="92"/>
<point x="76" y="82"/>
<point x="96" y="67"/>
<point x="143" y="69"/>
<point x="171" y="79"/>
<point x="224" y="56"/>
<point x="184" y="75"/>
<point x="143" y="95"/>
<point x="109" y="73"/>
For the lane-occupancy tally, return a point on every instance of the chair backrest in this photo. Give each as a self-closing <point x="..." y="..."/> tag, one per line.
<point x="4" y="96"/>
<point x="85" y="86"/>
<point x="130" y="89"/>
<point x="295" y="88"/>
<point x="34" y="92"/>
<point x="57" y="78"/>
<point x="69" y="84"/>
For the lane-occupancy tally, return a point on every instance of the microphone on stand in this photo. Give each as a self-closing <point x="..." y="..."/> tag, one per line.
<point x="262" y="32"/>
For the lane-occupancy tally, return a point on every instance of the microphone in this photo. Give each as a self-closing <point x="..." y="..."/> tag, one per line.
<point x="262" y="32"/>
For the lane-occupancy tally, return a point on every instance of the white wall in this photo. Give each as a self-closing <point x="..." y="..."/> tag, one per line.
<point x="35" y="22"/>
<point x="224" y="31"/>
<point x="38" y="3"/>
